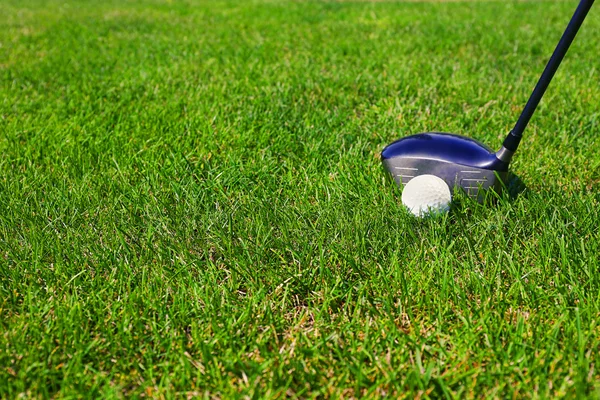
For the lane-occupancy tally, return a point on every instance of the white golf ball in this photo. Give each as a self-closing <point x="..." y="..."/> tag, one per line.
<point x="426" y="194"/>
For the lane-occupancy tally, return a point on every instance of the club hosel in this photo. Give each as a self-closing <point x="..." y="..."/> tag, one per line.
<point x="511" y="142"/>
<point x="504" y="155"/>
<point x="508" y="148"/>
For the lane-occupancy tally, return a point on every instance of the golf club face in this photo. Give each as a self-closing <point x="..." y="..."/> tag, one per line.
<point x="461" y="162"/>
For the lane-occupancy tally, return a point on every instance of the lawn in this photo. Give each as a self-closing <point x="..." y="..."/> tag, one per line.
<point x="192" y="202"/>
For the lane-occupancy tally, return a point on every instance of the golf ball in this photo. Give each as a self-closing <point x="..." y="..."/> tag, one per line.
<point x="426" y="194"/>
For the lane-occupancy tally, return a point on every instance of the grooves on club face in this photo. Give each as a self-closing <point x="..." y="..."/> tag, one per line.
<point x="461" y="162"/>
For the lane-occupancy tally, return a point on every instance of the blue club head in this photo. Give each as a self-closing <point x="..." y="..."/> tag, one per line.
<point x="461" y="162"/>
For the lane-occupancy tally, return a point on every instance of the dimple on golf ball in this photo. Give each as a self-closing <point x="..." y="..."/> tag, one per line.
<point x="426" y="194"/>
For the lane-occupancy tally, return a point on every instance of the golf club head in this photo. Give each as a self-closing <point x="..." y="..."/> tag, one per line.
<point x="460" y="161"/>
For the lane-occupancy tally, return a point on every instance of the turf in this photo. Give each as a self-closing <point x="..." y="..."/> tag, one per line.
<point x="192" y="202"/>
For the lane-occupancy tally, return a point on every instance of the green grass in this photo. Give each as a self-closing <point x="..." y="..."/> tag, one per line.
<point x="192" y="203"/>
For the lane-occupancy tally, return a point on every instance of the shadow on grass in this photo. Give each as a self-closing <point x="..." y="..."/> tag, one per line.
<point x="515" y="186"/>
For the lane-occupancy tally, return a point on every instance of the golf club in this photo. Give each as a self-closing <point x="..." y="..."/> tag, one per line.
<point x="466" y="163"/>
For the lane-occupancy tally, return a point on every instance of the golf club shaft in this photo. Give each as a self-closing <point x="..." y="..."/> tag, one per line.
<point x="514" y="137"/>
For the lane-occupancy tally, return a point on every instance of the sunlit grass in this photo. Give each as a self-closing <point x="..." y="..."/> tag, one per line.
<point x="192" y="203"/>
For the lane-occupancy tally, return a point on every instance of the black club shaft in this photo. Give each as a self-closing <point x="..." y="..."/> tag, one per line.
<point x="514" y="137"/>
